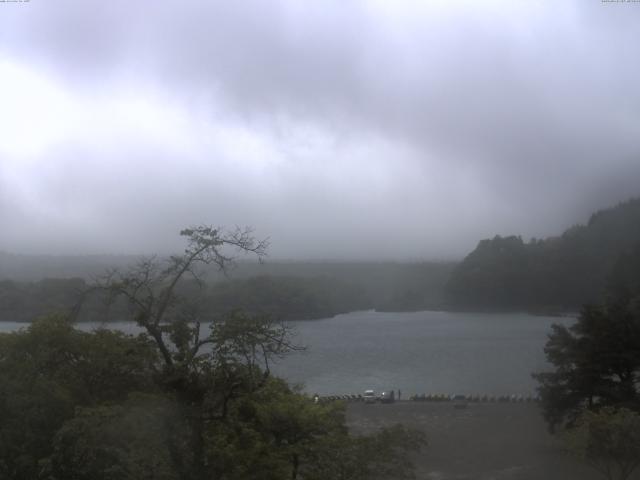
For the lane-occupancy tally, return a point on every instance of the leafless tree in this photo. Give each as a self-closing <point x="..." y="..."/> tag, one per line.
<point x="203" y="373"/>
<point x="149" y="287"/>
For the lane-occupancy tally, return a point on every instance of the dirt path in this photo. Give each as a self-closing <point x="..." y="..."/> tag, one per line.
<point x="486" y="441"/>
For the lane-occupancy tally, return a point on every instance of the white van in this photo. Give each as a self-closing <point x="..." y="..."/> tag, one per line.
<point x="369" y="396"/>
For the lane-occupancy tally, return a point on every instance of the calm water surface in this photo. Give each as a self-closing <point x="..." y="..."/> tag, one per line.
<point x="421" y="352"/>
<point x="418" y="352"/>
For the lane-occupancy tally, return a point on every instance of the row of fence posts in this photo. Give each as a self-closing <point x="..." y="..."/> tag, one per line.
<point x="437" y="398"/>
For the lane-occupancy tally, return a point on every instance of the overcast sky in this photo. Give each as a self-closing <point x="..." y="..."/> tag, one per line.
<point x="339" y="129"/>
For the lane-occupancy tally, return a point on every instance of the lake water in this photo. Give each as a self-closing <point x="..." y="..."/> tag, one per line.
<point x="418" y="352"/>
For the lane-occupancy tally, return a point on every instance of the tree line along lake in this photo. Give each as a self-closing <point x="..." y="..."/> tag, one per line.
<point x="417" y="352"/>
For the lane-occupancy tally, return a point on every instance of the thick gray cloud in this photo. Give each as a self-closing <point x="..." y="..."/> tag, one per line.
<point x="339" y="129"/>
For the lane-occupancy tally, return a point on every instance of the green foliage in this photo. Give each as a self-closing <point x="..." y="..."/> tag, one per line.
<point x="380" y="456"/>
<point x="311" y="440"/>
<point x="624" y="281"/>
<point x="64" y="416"/>
<point x="608" y="440"/>
<point x="26" y="301"/>
<point x="596" y="360"/>
<point x="558" y="273"/>
<point x="48" y="370"/>
<point x="170" y="404"/>
<point x="270" y="433"/>
<point x="114" y="442"/>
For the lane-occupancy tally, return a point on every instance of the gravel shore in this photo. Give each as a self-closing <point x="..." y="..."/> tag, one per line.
<point x="485" y="441"/>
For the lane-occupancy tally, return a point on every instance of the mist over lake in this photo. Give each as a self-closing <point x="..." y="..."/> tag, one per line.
<point x="212" y="213"/>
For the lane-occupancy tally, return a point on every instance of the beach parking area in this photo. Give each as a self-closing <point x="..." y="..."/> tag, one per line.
<point x="485" y="441"/>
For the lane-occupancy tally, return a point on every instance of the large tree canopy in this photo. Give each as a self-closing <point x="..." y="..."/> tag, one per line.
<point x="597" y="359"/>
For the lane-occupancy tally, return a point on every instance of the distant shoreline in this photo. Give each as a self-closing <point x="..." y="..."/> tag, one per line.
<point x="536" y="312"/>
<point x="533" y="313"/>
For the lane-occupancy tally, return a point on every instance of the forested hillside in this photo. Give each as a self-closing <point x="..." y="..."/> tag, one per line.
<point x="285" y="298"/>
<point x="288" y="291"/>
<point x="29" y="268"/>
<point x="558" y="273"/>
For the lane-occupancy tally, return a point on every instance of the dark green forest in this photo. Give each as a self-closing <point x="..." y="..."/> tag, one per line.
<point x="590" y="396"/>
<point x="552" y="275"/>
<point x="282" y="297"/>
<point x="285" y="290"/>
<point x="597" y="358"/>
